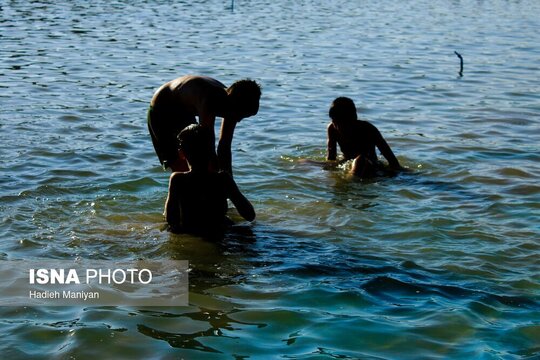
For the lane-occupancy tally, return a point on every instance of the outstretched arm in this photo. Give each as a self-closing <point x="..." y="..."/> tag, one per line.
<point x="331" y="143"/>
<point x="244" y="207"/>
<point x="224" y="146"/>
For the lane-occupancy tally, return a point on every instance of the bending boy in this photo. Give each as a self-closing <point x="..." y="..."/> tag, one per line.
<point x="176" y="104"/>
<point x="197" y="200"/>
<point x="357" y="140"/>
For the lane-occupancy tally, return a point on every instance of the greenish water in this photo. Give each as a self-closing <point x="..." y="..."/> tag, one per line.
<point x="441" y="262"/>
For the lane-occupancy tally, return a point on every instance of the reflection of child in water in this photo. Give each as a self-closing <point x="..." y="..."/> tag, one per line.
<point x="357" y="140"/>
<point x="197" y="200"/>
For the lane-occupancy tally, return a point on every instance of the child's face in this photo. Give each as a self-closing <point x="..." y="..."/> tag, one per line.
<point x="337" y="122"/>
<point x="342" y="115"/>
<point x="340" y="121"/>
<point x="238" y="110"/>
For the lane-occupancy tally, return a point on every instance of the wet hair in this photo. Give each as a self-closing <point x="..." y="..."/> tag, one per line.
<point x="196" y="143"/>
<point x="245" y="88"/>
<point x="342" y="108"/>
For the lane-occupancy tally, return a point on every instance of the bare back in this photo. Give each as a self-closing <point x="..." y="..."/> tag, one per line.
<point x="359" y="138"/>
<point x="197" y="202"/>
<point x="195" y="95"/>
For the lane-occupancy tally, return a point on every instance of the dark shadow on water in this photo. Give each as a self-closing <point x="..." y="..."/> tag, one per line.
<point x="183" y="341"/>
<point x="280" y="256"/>
<point x="437" y="186"/>
<point x="218" y="321"/>
<point x="213" y="261"/>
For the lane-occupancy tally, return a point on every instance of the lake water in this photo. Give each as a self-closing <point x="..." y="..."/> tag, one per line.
<point x="440" y="262"/>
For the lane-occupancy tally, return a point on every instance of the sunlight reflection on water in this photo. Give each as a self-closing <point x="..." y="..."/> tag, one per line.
<point x="438" y="262"/>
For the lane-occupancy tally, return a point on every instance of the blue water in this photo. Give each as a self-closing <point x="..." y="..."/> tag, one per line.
<point x="439" y="262"/>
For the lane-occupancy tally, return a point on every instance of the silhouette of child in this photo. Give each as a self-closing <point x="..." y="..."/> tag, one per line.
<point x="176" y="104"/>
<point x="357" y="140"/>
<point x="197" y="199"/>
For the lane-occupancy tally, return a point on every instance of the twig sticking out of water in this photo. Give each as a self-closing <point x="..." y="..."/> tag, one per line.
<point x="460" y="63"/>
<point x="232" y="5"/>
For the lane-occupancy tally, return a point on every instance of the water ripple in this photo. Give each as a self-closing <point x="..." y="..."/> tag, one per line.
<point x="440" y="261"/>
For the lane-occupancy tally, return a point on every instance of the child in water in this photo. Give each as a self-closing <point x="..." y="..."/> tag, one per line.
<point x="177" y="103"/>
<point x="197" y="199"/>
<point x="357" y="140"/>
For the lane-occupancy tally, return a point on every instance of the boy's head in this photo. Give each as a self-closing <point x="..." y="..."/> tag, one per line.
<point x="342" y="109"/>
<point x="244" y="98"/>
<point x="196" y="143"/>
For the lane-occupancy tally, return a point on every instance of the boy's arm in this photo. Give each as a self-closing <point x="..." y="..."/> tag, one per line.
<point x="386" y="151"/>
<point x="208" y="120"/>
<point x="331" y="143"/>
<point x="224" y="145"/>
<point x="244" y="207"/>
<point x="172" y="204"/>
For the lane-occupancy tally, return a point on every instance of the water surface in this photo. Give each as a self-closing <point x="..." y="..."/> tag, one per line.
<point x="439" y="262"/>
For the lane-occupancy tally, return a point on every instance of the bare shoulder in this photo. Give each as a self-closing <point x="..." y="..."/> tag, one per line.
<point x="330" y="127"/>
<point x="210" y="81"/>
<point x="180" y="82"/>
<point x="195" y="82"/>
<point x="178" y="178"/>
<point x="189" y="84"/>
<point x="197" y="91"/>
<point x="367" y="126"/>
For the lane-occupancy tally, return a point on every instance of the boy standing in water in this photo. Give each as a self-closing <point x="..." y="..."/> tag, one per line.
<point x="197" y="200"/>
<point x="176" y="104"/>
<point x="357" y="140"/>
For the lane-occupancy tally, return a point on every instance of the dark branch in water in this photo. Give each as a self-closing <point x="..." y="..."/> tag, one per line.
<point x="460" y="63"/>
